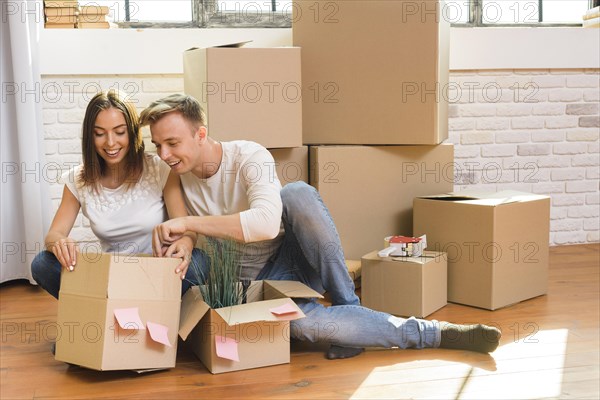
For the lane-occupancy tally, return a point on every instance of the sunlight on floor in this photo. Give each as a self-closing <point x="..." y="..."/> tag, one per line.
<point x="526" y="369"/>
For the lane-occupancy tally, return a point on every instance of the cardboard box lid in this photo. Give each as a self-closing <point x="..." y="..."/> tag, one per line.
<point x="427" y="256"/>
<point x="123" y="277"/>
<point x="275" y="294"/>
<point x="234" y="45"/>
<point x="193" y="309"/>
<point x="291" y="289"/>
<point x="484" y="198"/>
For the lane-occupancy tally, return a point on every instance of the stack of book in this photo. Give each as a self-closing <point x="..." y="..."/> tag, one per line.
<point x="591" y="19"/>
<point x="60" y="13"/>
<point x="93" y="17"/>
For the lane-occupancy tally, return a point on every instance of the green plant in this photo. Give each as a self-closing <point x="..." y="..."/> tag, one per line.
<point x="222" y="286"/>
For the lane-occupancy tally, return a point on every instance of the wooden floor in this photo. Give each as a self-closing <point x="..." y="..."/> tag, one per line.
<point x="549" y="349"/>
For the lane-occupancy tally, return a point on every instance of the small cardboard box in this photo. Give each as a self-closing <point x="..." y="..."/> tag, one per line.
<point x="497" y="244"/>
<point x="248" y="93"/>
<point x="119" y="312"/>
<point x="291" y="164"/>
<point x="373" y="71"/>
<point x="249" y="335"/>
<point x="406" y="286"/>
<point x="369" y="189"/>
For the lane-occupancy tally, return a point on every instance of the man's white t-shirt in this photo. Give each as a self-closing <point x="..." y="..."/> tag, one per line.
<point x="123" y="218"/>
<point x="246" y="182"/>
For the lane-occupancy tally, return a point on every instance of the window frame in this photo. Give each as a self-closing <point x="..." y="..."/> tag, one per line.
<point x="202" y="18"/>
<point x="476" y="18"/>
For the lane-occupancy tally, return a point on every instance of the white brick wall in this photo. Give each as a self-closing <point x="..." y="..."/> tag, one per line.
<point x="527" y="130"/>
<point x="543" y="130"/>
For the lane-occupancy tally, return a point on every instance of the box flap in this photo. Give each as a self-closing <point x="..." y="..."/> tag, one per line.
<point x="291" y="289"/>
<point x="234" y="45"/>
<point x="151" y="278"/>
<point x="486" y="198"/>
<point x="90" y="277"/>
<point x="193" y="309"/>
<point x="259" y="311"/>
<point x="426" y="257"/>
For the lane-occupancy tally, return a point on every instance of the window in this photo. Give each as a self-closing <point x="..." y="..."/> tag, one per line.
<point x="277" y="13"/>
<point x="198" y="13"/>
<point x="516" y="12"/>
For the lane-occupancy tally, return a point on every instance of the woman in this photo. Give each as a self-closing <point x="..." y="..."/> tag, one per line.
<point x="119" y="188"/>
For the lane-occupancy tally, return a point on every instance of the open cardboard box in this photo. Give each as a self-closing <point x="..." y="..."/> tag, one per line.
<point x="250" y="335"/>
<point x="119" y="312"/>
<point x="248" y="93"/>
<point x="496" y="244"/>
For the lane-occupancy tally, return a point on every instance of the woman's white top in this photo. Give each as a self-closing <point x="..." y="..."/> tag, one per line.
<point x="123" y="218"/>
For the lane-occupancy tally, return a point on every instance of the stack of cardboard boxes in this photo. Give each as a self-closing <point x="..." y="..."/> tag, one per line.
<point x="375" y="115"/>
<point x="369" y="103"/>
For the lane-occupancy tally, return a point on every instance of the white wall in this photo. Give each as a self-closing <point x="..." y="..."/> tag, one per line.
<point x="525" y="120"/>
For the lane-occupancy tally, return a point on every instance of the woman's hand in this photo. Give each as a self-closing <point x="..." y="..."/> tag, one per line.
<point x="66" y="250"/>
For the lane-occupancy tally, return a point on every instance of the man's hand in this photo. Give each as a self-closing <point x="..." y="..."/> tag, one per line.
<point x="66" y="250"/>
<point x="181" y="248"/>
<point x="166" y="234"/>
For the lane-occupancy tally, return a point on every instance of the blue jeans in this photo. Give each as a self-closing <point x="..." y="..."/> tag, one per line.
<point x="46" y="269"/>
<point x="312" y="253"/>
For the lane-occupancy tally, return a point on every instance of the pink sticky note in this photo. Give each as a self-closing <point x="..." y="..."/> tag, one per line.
<point x="287" y="308"/>
<point x="159" y="333"/>
<point x="129" y="318"/>
<point x="227" y="348"/>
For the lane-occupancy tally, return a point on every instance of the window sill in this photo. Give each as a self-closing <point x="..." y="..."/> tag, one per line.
<point x="159" y="51"/>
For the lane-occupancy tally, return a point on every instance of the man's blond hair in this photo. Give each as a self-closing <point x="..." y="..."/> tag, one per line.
<point x="188" y="106"/>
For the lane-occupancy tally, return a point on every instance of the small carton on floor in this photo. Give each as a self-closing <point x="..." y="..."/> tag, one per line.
<point x="405" y="286"/>
<point x="119" y="313"/>
<point x="249" y="335"/>
<point x="497" y="244"/>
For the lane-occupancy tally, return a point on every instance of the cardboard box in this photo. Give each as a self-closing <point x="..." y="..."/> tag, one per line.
<point x="369" y="189"/>
<point x="248" y="93"/>
<point x="255" y="335"/>
<point x="373" y="71"/>
<point x="111" y="309"/>
<point x="497" y="244"/>
<point x="406" y="286"/>
<point x="291" y="164"/>
<point x="354" y="269"/>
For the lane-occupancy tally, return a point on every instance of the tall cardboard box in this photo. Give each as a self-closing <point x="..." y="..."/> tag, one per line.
<point x="406" y="286"/>
<point x="119" y="312"/>
<point x="373" y="71"/>
<point x="497" y="244"/>
<point x="369" y="189"/>
<point x="248" y="93"/>
<point x="291" y="164"/>
<point x="250" y="335"/>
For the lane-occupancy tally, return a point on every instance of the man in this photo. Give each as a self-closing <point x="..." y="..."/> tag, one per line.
<point x="232" y="192"/>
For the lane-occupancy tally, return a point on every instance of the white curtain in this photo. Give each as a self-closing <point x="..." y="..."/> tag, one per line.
<point x="24" y="201"/>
